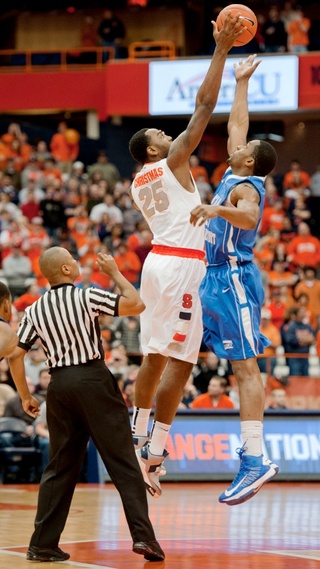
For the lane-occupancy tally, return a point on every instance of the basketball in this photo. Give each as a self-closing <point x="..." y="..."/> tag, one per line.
<point x="248" y="19"/>
<point x="72" y="136"/>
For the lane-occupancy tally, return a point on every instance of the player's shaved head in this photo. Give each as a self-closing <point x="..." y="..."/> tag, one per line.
<point x="51" y="264"/>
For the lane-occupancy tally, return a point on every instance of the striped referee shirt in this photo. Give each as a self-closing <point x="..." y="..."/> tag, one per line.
<point x="65" y="319"/>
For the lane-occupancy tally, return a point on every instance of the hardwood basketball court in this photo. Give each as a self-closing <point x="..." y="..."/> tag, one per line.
<point x="278" y="528"/>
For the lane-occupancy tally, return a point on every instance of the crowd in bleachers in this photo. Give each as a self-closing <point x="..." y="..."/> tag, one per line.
<point x="283" y="26"/>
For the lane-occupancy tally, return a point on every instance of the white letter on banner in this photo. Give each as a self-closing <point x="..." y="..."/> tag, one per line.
<point x="300" y="447"/>
<point x="274" y="440"/>
<point x="314" y="441"/>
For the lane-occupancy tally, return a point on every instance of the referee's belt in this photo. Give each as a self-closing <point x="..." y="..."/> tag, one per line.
<point x="178" y="252"/>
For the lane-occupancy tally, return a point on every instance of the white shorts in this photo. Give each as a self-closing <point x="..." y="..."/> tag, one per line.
<point x="171" y="324"/>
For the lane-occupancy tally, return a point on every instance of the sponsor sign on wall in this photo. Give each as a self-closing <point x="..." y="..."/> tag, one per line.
<point x="173" y="85"/>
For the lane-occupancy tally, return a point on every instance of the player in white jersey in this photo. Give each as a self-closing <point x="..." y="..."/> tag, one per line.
<point x="171" y="327"/>
<point x="232" y="292"/>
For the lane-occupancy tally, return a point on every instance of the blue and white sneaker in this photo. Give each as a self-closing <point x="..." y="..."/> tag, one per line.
<point x="253" y="473"/>
<point x="150" y="465"/>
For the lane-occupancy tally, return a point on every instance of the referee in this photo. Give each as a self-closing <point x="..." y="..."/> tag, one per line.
<point x="83" y="400"/>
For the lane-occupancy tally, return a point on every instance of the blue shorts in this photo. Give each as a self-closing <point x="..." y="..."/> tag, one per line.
<point x="231" y="297"/>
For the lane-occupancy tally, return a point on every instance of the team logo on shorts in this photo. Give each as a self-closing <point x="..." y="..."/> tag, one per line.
<point x="228" y="344"/>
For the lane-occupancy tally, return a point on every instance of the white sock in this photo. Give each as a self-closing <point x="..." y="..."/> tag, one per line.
<point x="140" y="421"/>
<point x="159" y="437"/>
<point x="251" y="433"/>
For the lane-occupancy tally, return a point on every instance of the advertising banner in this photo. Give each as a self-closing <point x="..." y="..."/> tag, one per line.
<point x="203" y="446"/>
<point x="173" y="85"/>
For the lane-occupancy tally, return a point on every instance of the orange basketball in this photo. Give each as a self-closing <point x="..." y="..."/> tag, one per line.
<point x="248" y="19"/>
<point x="72" y="136"/>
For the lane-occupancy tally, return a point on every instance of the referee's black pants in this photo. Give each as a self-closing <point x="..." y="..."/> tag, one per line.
<point x="84" y="401"/>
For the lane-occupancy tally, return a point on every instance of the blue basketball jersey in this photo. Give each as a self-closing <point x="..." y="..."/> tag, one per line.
<point x="223" y="241"/>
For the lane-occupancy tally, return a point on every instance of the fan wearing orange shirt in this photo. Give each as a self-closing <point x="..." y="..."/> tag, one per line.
<point x="196" y="169"/>
<point x="304" y="249"/>
<point x="128" y="263"/>
<point x="63" y="151"/>
<point x="310" y="286"/>
<point x="273" y="216"/>
<point x="215" y="398"/>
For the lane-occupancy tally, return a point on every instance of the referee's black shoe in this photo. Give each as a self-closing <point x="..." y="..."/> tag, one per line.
<point x="150" y="549"/>
<point x="42" y="554"/>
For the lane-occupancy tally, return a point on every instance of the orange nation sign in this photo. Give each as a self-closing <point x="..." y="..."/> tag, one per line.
<point x="309" y="81"/>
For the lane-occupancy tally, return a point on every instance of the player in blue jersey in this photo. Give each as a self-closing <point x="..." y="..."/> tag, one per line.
<point x="232" y="292"/>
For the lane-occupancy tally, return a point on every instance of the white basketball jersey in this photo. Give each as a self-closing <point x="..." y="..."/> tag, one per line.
<point x="166" y="206"/>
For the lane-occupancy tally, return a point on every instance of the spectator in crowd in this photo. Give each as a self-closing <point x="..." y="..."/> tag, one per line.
<point x="279" y="275"/>
<point x="13" y="235"/>
<point x="52" y="209"/>
<point x="217" y="174"/>
<point x="32" y="171"/>
<point x="273" y="32"/>
<point x="17" y="268"/>
<point x="111" y="32"/>
<point x="118" y="360"/>
<point x="298" y="31"/>
<point x="41" y="388"/>
<point x="41" y="153"/>
<point x="128" y="263"/>
<point x="310" y="285"/>
<point x="215" y="398"/>
<point x="35" y="362"/>
<point x="277" y="308"/>
<point x="298" y="339"/>
<point x="6" y="392"/>
<point x="279" y="400"/>
<point x="287" y="13"/>
<point x="144" y="248"/>
<point x="299" y="211"/>
<point x="31" y="295"/>
<point x="288" y="232"/>
<point x="268" y="362"/>
<point x="109" y="171"/>
<point x="304" y="249"/>
<point x="85" y="279"/>
<point x="128" y="330"/>
<point x="206" y="367"/>
<point x="197" y="169"/>
<point x="106" y="206"/>
<point x="296" y="178"/>
<point x="190" y="392"/>
<point x="7" y="206"/>
<point x="273" y="216"/>
<point x="15" y="409"/>
<point x="31" y="206"/>
<point x="64" y="148"/>
<point x="88" y="38"/>
<point x="128" y="390"/>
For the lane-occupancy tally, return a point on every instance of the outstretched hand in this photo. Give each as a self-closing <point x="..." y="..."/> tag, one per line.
<point x="244" y="69"/>
<point x="232" y="28"/>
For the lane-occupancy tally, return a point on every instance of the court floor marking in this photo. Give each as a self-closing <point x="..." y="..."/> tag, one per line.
<point x="73" y="563"/>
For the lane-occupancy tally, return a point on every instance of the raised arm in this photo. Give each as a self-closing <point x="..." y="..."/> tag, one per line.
<point x="207" y="96"/>
<point x="238" y="123"/>
<point x="130" y="303"/>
